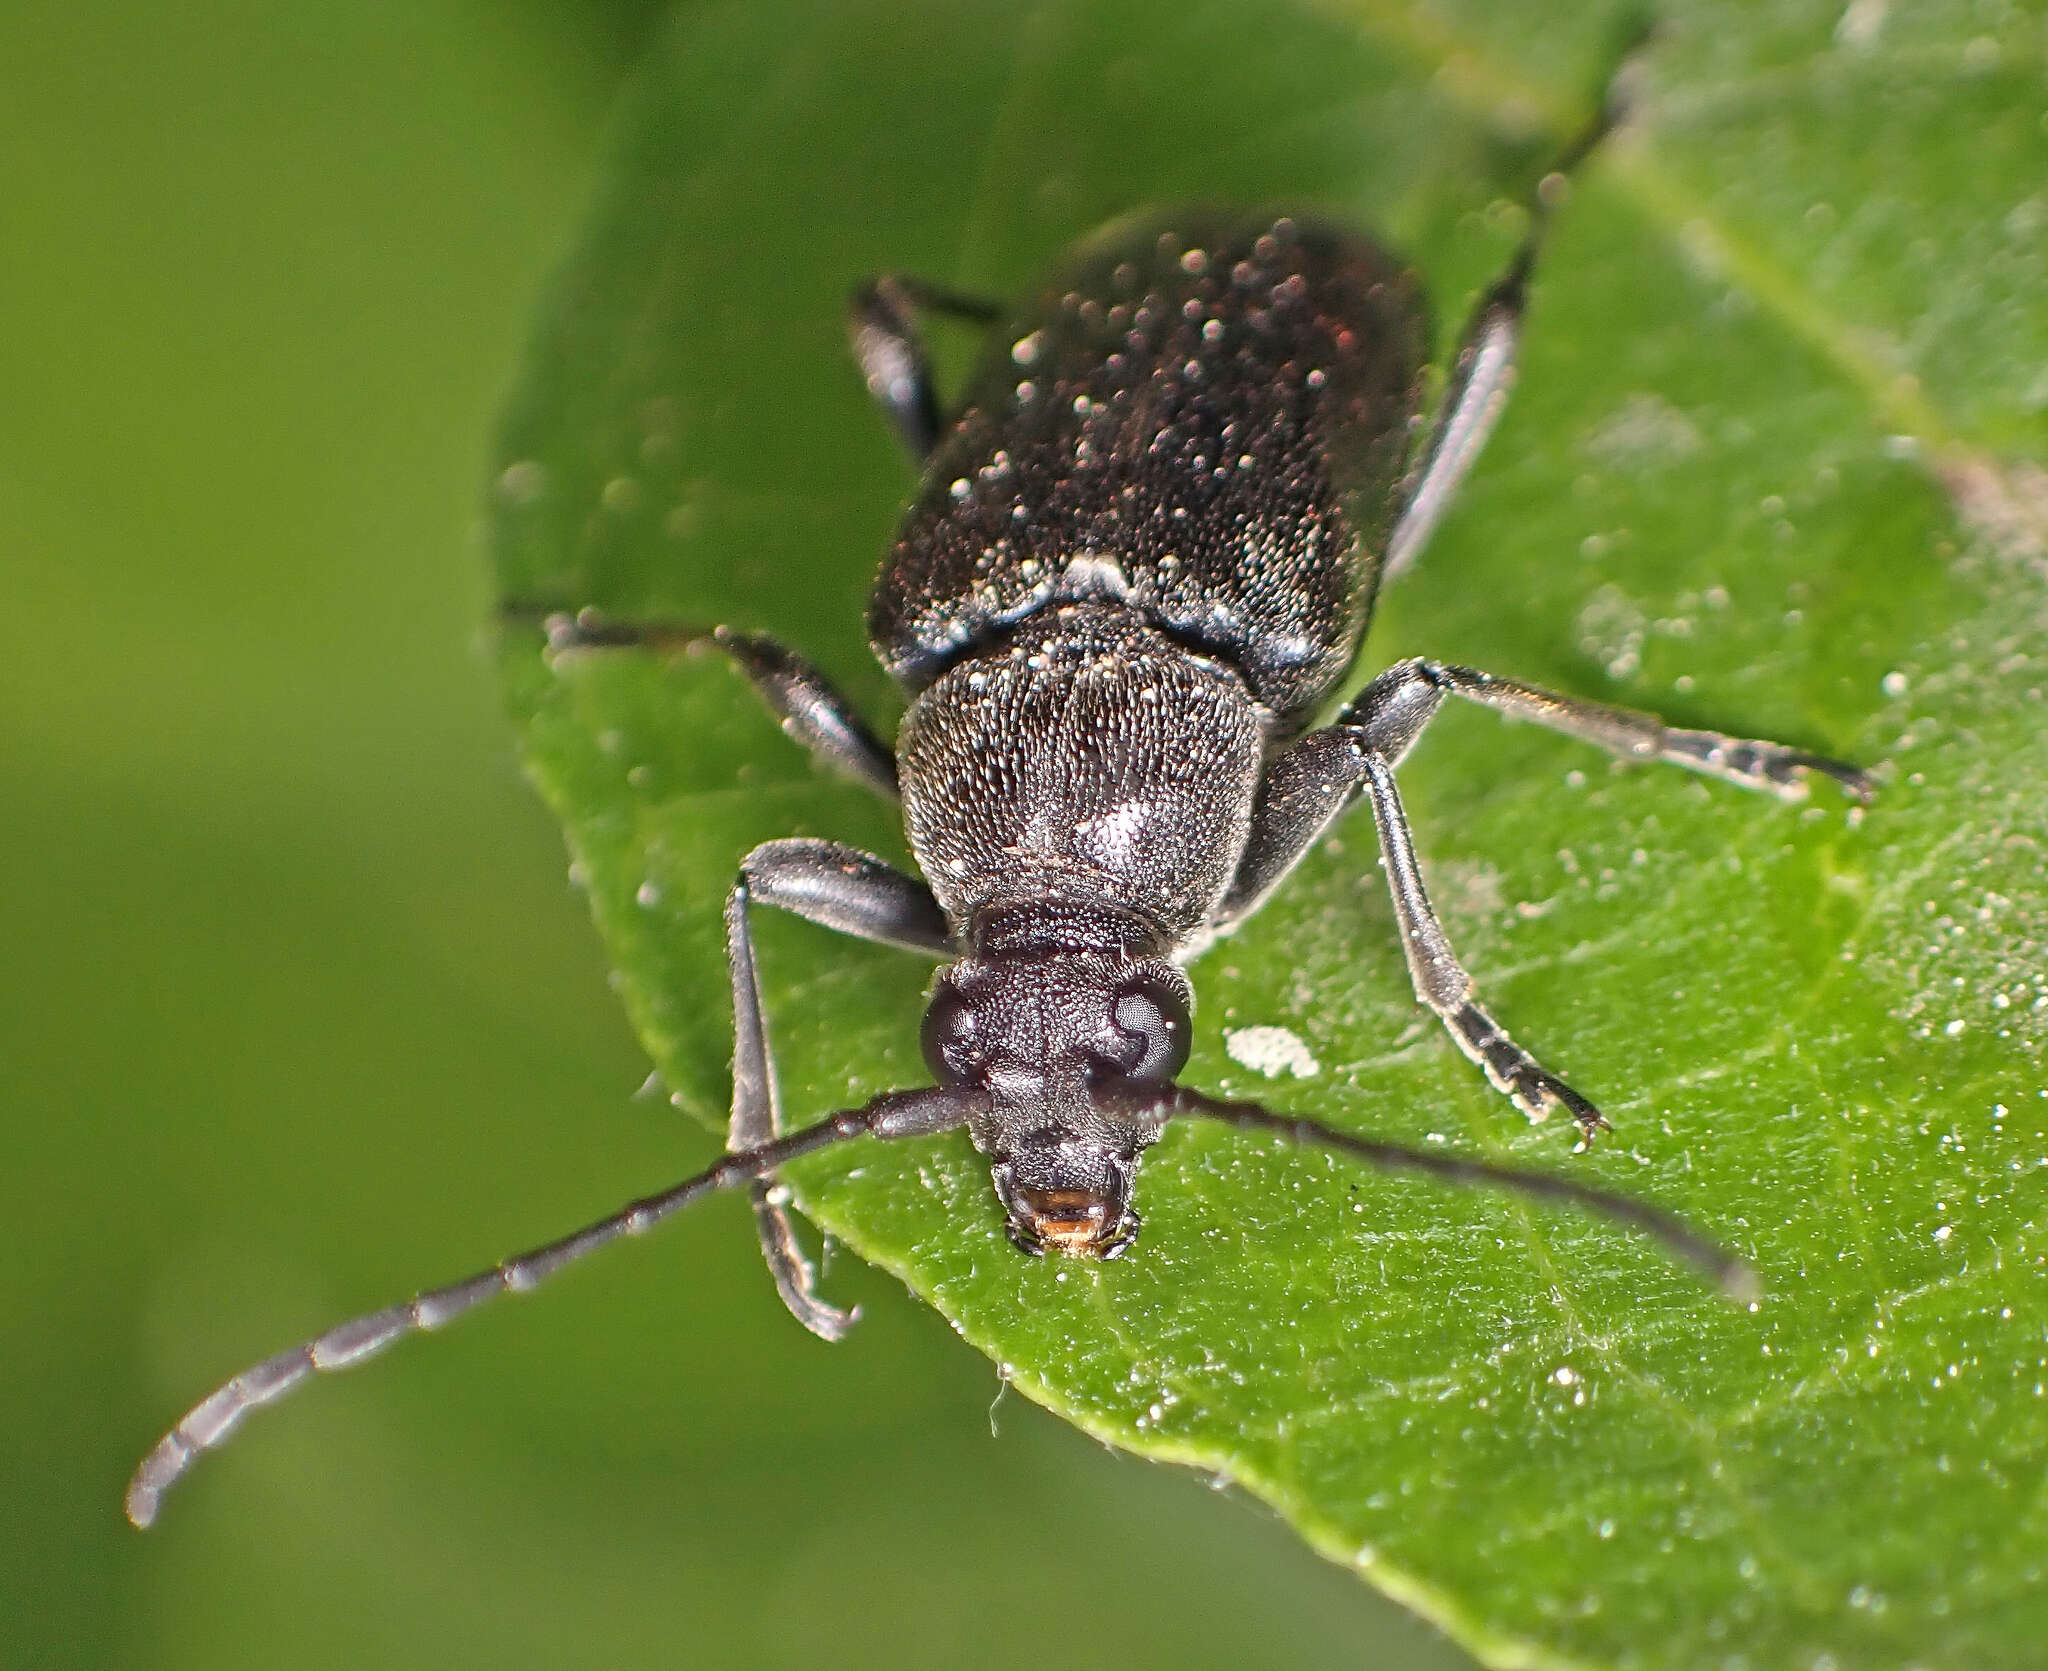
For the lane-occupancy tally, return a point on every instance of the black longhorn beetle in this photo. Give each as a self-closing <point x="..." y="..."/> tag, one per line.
<point x="1141" y="559"/>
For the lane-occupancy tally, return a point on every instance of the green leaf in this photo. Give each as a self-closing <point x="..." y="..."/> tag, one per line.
<point x="1766" y="469"/>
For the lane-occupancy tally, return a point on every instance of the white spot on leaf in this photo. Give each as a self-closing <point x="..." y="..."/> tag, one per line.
<point x="1271" y="1051"/>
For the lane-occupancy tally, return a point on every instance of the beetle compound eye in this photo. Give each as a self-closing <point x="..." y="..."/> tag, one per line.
<point x="1151" y="1020"/>
<point x="947" y="1038"/>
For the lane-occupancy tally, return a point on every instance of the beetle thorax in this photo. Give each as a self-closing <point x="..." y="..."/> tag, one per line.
<point x="1086" y="758"/>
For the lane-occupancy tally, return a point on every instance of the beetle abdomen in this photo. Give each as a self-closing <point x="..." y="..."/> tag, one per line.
<point x="1204" y="417"/>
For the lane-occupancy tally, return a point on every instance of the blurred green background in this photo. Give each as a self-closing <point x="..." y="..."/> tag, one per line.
<point x="299" y="1011"/>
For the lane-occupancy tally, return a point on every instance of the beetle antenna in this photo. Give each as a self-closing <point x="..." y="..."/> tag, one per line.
<point x="211" y="1421"/>
<point x="1730" y="1274"/>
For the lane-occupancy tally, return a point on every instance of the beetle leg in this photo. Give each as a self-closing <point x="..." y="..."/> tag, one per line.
<point x="1301" y="796"/>
<point x="888" y="341"/>
<point x="1483" y="369"/>
<point x="841" y="888"/>
<point x="811" y="711"/>
<point x="1305" y="790"/>
<point x="1630" y="734"/>
<point x="1481" y="376"/>
<point x="1441" y="981"/>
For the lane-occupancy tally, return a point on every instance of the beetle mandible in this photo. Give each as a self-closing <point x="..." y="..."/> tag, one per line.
<point x="1142" y="558"/>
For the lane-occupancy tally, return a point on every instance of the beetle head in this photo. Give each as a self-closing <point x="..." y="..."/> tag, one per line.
<point x="1065" y="1045"/>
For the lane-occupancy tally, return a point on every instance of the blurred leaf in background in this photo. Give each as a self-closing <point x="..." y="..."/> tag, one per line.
<point x="1769" y="470"/>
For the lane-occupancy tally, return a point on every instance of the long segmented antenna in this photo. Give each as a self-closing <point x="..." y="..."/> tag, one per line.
<point x="1728" y="1273"/>
<point x="210" y="1422"/>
